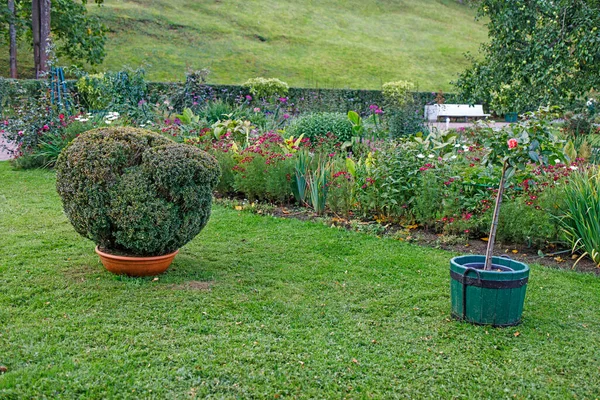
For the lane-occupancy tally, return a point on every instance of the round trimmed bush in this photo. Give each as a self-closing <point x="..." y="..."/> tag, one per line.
<point x="135" y="192"/>
<point x="317" y="125"/>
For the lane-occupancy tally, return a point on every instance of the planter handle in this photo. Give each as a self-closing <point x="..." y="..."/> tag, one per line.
<point x="464" y="287"/>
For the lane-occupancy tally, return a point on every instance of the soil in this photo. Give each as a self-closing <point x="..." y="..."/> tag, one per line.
<point x="554" y="258"/>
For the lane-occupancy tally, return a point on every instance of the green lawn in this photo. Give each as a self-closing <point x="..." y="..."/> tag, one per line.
<point x="326" y="43"/>
<point x="295" y="309"/>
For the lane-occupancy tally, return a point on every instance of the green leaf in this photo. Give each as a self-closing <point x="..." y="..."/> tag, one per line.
<point x="534" y="156"/>
<point x="354" y="117"/>
<point x="570" y="150"/>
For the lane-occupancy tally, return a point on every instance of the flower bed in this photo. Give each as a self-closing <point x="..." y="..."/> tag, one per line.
<point x="360" y="166"/>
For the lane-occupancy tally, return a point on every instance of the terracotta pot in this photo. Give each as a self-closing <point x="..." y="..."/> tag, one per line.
<point x="136" y="266"/>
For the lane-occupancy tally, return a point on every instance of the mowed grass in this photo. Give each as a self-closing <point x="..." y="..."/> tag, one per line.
<point x="293" y="309"/>
<point x="307" y="43"/>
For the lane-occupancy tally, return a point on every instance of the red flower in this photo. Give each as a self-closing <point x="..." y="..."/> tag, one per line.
<point x="512" y="143"/>
<point x="61" y="116"/>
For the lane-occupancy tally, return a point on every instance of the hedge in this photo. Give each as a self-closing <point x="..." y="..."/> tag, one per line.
<point x="306" y="99"/>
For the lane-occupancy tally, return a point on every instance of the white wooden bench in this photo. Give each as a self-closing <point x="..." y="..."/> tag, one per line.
<point x="435" y="111"/>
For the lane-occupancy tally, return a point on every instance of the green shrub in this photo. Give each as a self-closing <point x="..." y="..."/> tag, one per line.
<point x="92" y="90"/>
<point x="263" y="179"/>
<point x="397" y="94"/>
<point x="317" y="125"/>
<point x="133" y="191"/>
<point x="215" y="111"/>
<point x="406" y="121"/>
<point x="266" y="88"/>
<point x="428" y="202"/>
<point x="529" y="224"/>
<point x="576" y="125"/>
<point x="227" y="163"/>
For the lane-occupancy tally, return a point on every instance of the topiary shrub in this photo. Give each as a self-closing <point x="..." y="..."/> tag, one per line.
<point x="135" y="192"/>
<point x="317" y="125"/>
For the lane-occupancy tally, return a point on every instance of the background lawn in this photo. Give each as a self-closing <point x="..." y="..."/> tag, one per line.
<point x="295" y="309"/>
<point x="326" y="43"/>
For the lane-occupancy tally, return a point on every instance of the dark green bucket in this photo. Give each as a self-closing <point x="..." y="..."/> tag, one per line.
<point x="511" y="117"/>
<point x="488" y="297"/>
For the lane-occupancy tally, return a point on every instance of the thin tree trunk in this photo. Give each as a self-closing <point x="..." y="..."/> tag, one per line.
<point x="44" y="34"/>
<point x="40" y="28"/>
<point x="490" y="247"/>
<point x="12" y="33"/>
<point x="35" y="32"/>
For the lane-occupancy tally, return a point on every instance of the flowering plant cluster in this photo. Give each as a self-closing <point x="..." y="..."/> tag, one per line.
<point x="348" y="163"/>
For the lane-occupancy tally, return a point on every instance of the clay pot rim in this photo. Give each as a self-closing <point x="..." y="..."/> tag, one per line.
<point x="135" y="258"/>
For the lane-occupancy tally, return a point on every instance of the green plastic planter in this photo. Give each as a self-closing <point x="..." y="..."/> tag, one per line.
<point x="493" y="297"/>
<point x="511" y="117"/>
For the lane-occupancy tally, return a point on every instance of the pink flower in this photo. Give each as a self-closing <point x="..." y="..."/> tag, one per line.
<point x="256" y="109"/>
<point x="45" y="128"/>
<point x="512" y="143"/>
<point x="286" y="116"/>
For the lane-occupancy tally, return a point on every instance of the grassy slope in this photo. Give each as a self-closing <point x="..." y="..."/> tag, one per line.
<point x="296" y="308"/>
<point x="329" y="43"/>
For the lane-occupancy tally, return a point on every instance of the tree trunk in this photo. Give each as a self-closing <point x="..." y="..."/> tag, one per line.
<point x="490" y="247"/>
<point x="40" y="28"/>
<point x="12" y="33"/>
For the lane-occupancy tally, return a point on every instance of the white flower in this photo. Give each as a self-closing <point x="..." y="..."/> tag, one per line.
<point x="420" y="156"/>
<point x="557" y="161"/>
<point x="83" y="120"/>
<point x="457" y="145"/>
<point x="573" y="167"/>
<point x="108" y="122"/>
<point x="431" y="156"/>
<point x="465" y="148"/>
<point x="453" y="157"/>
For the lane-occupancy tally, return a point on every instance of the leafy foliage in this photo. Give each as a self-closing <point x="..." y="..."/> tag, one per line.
<point x="93" y="92"/>
<point x="266" y="88"/>
<point x="317" y="125"/>
<point x="540" y="53"/>
<point x="534" y="139"/>
<point x="406" y="121"/>
<point x="80" y="37"/>
<point x="76" y="35"/>
<point x="397" y="94"/>
<point x="134" y="191"/>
